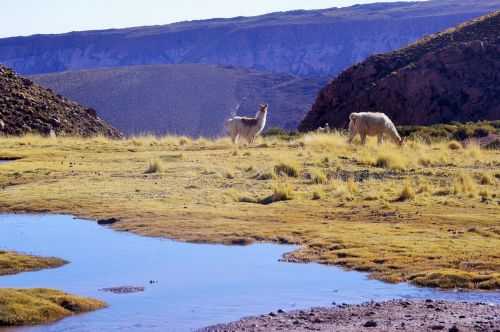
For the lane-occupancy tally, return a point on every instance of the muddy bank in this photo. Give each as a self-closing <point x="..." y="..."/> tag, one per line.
<point x="397" y="315"/>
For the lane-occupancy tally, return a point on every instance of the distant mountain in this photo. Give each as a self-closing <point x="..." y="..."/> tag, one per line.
<point x="185" y="99"/>
<point x="451" y="76"/>
<point x="305" y="43"/>
<point x="27" y="108"/>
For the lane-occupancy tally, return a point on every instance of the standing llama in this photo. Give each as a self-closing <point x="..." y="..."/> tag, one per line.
<point x="248" y="128"/>
<point x="372" y="124"/>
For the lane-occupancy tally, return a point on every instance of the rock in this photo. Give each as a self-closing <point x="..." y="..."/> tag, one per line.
<point x="437" y="327"/>
<point x="453" y="329"/>
<point x="108" y="221"/>
<point x="123" y="289"/>
<point x="370" y="323"/>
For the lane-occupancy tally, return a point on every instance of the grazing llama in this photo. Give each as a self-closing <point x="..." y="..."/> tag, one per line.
<point x="246" y="127"/>
<point x="372" y="124"/>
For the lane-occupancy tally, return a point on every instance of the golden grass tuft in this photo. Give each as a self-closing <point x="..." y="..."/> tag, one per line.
<point x="288" y="168"/>
<point x="154" y="166"/>
<point x="317" y="195"/>
<point x="407" y="193"/>
<point x="454" y="145"/>
<point x="282" y="191"/>
<point x="394" y="161"/>
<point x="464" y="184"/>
<point x="318" y="177"/>
<point x="486" y="179"/>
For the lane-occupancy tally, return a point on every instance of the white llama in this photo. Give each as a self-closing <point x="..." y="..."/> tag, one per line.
<point x="246" y="127"/>
<point x="372" y="124"/>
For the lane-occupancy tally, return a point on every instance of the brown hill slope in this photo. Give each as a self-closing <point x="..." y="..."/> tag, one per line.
<point x="185" y="99"/>
<point x="451" y="76"/>
<point x="26" y="107"/>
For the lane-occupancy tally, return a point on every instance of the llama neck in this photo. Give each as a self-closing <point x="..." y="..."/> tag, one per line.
<point x="261" y="119"/>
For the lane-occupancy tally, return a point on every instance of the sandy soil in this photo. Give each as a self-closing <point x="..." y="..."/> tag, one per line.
<point x="397" y="315"/>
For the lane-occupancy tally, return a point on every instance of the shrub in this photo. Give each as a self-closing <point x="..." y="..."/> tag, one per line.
<point x="288" y="169"/>
<point x="462" y="133"/>
<point x="483" y="131"/>
<point x="155" y="166"/>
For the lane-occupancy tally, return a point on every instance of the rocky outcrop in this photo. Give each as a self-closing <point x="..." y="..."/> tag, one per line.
<point x="192" y="100"/>
<point x="451" y="76"/>
<point x="305" y="43"/>
<point x="28" y="108"/>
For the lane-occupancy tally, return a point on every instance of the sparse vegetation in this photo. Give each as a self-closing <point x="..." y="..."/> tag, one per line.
<point x="358" y="197"/>
<point x="37" y="306"/>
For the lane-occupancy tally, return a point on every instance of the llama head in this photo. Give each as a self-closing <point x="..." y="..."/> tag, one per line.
<point x="401" y="141"/>
<point x="264" y="107"/>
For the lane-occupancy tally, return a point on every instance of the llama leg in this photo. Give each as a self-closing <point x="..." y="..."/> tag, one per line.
<point x="380" y="138"/>
<point x="363" y="139"/>
<point x="351" y="137"/>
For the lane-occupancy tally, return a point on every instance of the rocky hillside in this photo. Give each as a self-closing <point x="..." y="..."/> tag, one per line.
<point x="305" y="43"/>
<point x="451" y="76"/>
<point x="28" y="108"/>
<point x="185" y="99"/>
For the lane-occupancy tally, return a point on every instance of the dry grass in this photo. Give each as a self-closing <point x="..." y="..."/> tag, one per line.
<point x="366" y="229"/>
<point x="38" y="306"/>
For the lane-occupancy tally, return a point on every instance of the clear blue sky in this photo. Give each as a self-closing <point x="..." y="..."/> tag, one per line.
<point x="26" y="17"/>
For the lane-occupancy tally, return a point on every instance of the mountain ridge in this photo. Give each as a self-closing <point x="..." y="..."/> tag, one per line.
<point x="305" y="43"/>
